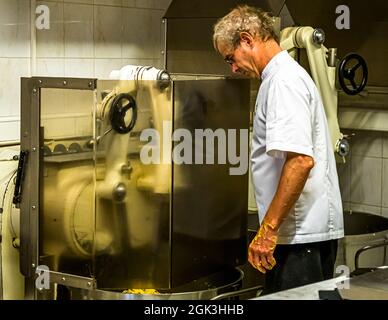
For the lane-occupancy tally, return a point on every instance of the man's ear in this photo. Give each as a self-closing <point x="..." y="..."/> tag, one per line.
<point x="246" y="38"/>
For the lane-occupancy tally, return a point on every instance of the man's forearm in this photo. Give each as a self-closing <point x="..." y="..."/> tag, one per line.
<point x="294" y="175"/>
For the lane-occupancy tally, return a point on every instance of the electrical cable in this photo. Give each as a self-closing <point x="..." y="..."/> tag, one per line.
<point x="14" y="158"/>
<point x="6" y="189"/>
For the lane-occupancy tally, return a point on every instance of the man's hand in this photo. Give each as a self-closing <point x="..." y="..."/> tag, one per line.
<point x="262" y="247"/>
<point x="294" y="175"/>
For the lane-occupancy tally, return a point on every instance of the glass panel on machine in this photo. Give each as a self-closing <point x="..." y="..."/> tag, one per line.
<point x="133" y="184"/>
<point x="129" y="197"/>
<point x="67" y="180"/>
<point x="210" y="185"/>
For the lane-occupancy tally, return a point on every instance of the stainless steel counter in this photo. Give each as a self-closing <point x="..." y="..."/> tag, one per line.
<point x="308" y="292"/>
<point x="369" y="286"/>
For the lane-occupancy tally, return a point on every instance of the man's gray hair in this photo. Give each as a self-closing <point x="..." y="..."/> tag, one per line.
<point x="253" y="20"/>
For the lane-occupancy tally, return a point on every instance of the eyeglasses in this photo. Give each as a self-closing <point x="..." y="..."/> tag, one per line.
<point x="229" y="59"/>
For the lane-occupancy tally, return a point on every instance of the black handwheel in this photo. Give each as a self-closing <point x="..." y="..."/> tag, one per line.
<point x="121" y="104"/>
<point x="347" y="71"/>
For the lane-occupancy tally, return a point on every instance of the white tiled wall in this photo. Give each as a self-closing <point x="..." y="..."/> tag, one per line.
<point x="14" y="62"/>
<point x="87" y="38"/>
<point x="364" y="178"/>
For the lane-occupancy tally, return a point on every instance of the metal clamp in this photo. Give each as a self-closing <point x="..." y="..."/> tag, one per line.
<point x="72" y="280"/>
<point x="19" y="178"/>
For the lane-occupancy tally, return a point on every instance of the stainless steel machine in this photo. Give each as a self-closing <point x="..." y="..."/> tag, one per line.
<point x="106" y="204"/>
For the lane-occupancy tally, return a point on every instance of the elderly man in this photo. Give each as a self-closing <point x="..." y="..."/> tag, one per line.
<point x="293" y="165"/>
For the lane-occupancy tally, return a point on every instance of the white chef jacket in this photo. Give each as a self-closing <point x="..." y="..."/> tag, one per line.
<point x="290" y="117"/>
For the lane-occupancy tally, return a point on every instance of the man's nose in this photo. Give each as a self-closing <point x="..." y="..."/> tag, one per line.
<point x="234" y="68"/>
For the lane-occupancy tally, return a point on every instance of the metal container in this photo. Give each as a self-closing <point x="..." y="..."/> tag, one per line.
<point x="201" y="289"/>
<point x="362" y="229"/>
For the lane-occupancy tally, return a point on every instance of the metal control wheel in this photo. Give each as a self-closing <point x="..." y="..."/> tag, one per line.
<point x="347" y="69"/>
<point x="121" y="104"/>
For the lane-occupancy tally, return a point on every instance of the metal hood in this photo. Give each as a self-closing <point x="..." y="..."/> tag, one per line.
<point x="189" y="28"/>
<point x="216" y="8"/>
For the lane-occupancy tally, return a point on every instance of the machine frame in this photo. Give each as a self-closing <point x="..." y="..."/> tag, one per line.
<point x="31" y="198"/>
<point x="30" y="205"/>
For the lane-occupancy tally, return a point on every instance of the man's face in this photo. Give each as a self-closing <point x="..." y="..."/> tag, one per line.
<point x="241" y="59"/>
